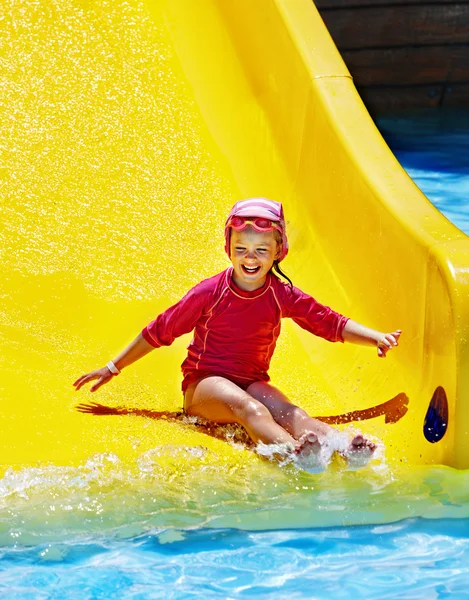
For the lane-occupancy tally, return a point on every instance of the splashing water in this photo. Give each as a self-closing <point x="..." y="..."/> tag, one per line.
<point x="177" y="486"/>
<point x="318" y="458"/>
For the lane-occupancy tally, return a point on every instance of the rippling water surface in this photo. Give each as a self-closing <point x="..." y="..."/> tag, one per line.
<point x="410" y="559"/>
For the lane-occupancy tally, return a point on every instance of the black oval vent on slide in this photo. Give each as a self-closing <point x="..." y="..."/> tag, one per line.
<point x="436" y="419"/>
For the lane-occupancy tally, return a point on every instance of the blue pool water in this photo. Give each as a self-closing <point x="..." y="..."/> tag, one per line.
<point x="410" y="559"/>
<point x="90" y="534"/>
<point x="433" y="147"/>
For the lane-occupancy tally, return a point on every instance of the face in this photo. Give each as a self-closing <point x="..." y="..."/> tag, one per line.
<point x="252" y="254"/>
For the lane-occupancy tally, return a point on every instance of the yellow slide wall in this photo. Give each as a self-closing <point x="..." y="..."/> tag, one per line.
<point x="126" y="145"/>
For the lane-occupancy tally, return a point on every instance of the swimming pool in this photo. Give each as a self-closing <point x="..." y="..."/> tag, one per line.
<point x="433" y="147"/>
<point x="410" y="559"/>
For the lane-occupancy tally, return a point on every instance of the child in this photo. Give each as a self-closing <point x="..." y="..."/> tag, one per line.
<point x="236" y="317"/>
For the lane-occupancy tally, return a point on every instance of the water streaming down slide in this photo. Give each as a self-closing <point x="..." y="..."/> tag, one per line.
<point x="129" y="129"/>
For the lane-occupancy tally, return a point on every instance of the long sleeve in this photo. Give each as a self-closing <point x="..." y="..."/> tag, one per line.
<point x="177" y="320"/>
<point x="313" y="316"/>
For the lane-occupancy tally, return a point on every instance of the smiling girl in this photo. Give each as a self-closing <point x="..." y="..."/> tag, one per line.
<point x="236" y="318"/>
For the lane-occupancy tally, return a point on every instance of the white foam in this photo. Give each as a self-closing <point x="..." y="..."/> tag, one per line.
<point x="335" y="441"/>
<point x="23" y="481"/>
<point x="281" y="453"/>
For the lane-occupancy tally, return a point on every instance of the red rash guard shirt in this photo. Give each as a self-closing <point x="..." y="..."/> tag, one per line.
<point x="235" y="332"/>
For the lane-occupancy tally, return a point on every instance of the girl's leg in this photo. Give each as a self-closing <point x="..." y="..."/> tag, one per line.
<point x="298" y="423"/>
<point x="292" y="418"/>
<point x="222" y="401"/>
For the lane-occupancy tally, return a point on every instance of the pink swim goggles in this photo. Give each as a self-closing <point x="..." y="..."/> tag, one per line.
<point x="261" y="214"/>
<point x="258" y="223"/>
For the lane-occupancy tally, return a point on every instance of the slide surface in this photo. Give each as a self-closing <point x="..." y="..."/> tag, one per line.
<point x="129" y="129"/>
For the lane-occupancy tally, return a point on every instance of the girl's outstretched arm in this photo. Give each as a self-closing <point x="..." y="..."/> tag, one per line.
<point x="135" y="350"/>
<point x="359" y="334"/>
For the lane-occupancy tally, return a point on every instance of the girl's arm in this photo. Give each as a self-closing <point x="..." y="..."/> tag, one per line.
<point x="359" y="334"/>
<point x="135" y="350"/>
<point x="328" y="324"/>
<point x="172" y="323"/>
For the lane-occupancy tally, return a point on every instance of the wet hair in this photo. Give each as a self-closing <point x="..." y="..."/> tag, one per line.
<point x="278" y="270"/>
<point x="276" y="266"/>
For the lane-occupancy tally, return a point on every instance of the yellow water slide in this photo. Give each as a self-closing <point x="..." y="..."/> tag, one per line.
<point x="128" y="131"/>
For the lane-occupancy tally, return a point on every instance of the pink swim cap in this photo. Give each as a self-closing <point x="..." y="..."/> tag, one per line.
<point x="258" y="207"/>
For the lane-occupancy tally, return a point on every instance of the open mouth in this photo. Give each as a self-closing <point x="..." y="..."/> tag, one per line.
<point x="250" y="270"/>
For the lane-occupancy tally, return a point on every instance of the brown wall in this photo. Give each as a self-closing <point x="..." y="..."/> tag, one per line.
<point x="403" y="54"/>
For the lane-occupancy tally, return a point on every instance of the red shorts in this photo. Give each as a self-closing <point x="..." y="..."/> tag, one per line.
<point x="199" y="375"/>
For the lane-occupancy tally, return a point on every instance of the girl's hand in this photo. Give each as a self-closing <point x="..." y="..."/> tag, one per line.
<point x="103" y="376"/>
<point x="387" y="341"/>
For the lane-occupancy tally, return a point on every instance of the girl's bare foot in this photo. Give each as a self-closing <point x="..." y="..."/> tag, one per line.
<point x="308" y="444"/>
<point x="308" y="453"/>
<point x="359" y="452"/>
